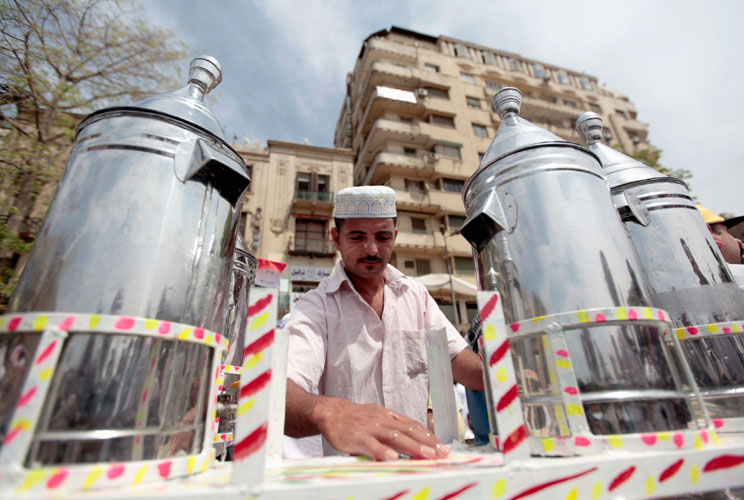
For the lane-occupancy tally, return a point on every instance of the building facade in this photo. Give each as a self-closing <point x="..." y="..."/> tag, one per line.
<point x="417" y="116"/>
<point x="288" y="210"/>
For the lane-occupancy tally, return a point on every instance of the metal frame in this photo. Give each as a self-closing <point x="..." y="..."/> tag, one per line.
<point x="55" y="328"/>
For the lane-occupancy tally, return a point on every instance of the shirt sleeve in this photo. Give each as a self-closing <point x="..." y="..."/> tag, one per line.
<point x="307" y="343"/>
<point x="436" y="318"/>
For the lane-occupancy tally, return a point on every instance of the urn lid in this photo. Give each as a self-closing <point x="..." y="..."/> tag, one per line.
<point x="619" y="168"/>
<point x="515" y="133"/>
<point x="187" y="103"/>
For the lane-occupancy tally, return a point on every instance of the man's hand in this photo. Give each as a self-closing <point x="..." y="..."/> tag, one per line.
<point x="369" y="430"/>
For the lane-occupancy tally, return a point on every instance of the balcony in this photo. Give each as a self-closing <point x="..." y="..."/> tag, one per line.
<point x="449" y="202"/>
<point x="385" y="130"/>
<point x="378" y="104"/>
<point x="533" y="106"/>
<point x="386" y="163"/>
<point x="408" y="238"/>
<point x="312" y="199"/>
<point x="414" y="201"/>
<point x="312" y="248"/>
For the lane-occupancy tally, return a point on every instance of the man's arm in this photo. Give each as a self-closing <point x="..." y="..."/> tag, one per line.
<point x="369" y="430"/>
<point x="467" y="369"/>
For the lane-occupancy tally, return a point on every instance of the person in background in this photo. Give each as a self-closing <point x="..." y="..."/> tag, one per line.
<point x="357" y="369"/>
<point x="477" y="407"/>
<point x="731" y="248"/>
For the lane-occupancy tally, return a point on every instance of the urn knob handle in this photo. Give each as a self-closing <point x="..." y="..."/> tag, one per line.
<point x="205" y="72"/>
<point x="507" y="101"/>
<point x="589" y="127"/>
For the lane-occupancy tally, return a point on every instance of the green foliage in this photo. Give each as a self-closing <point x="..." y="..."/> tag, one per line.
<point x="651" y="158"/>
<point x="59" y="60"/>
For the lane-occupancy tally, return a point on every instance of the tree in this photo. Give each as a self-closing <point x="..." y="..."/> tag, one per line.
<point x="651" y="158"/>
<point x="59" y="60"/>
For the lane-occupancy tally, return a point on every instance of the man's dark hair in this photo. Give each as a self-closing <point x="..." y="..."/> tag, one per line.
<point x="340" y="222"/>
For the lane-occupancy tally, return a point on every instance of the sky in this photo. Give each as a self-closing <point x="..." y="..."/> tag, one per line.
<point x="680" y="62"/>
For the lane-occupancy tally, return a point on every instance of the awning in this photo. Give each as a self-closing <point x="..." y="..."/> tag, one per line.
<point x="439" y="285"/>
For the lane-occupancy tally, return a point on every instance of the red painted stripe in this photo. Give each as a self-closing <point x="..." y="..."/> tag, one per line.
<point x="259" y="305"/>
<point x="164" y="469"/>
<point x="488" y="308"/>
<point x="542" y="486"/>
<point x="458" y="492"/>
<point x="47" y="352"/>
<point x="514" y="439"/>
<point x="12" y="434"/>
<point x="622" y="477"/>
<point x="57" y="479"/>
<point x="255" y="385"/>
<point x="259" y="344"/>
<point x="723" y="462"/>
<point x="23" y="401"/>
<point x="397" y="495"/>
<point x="499" y="353"/>
<point x="251" y="443"/>
<point x="671" y="470"/>
<point x="507" y="398"/>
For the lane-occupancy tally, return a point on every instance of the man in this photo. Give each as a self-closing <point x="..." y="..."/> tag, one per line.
<point x="731" y="248"/>
<point x="358" y="341"/>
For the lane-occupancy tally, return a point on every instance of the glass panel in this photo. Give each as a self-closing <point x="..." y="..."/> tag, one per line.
<point x="150" y="394"/>
<point x="16" y="354"/>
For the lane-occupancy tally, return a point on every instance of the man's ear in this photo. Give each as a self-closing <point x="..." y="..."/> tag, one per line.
<point x="334" y="235"/>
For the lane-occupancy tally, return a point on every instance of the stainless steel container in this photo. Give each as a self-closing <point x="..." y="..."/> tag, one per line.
<point x="243" y="278"/>
<point x="140" y="237"/>
<point x="145" y="218"/>
<point x="685" y="271"/>
<point x="546" y="236"/>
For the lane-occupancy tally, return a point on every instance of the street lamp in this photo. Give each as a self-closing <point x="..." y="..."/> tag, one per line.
<point x="442" y="230"/>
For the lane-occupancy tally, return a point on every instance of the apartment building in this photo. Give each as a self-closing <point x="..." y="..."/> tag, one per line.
<point x="288" y="210"/>
<point x="417" y="116"/>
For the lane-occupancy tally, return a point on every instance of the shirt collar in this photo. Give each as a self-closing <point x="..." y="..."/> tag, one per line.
<point x="393" y="279"/>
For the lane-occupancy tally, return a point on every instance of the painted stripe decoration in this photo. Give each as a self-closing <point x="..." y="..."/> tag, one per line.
<point x="251" y="443"/>
<point x="255" y="385"/>
<point x="499" y="353"/>
<point x="507" y="399"/>
<point x="671" y="470"/>
<point x="260" y="305"/>
<point x="46" y="352"/>
<point x="622" y="477"/>
<point x="259" y="345"/>
<point x="514" y="439"/>
<point x="458" y="492"/>
<point x="489" y="307"/>
<point x="723" y="462"/>
<point x="542" y="486"/>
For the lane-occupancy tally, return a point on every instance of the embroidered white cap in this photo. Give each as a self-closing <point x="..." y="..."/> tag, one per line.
<point x="365" y="202"/>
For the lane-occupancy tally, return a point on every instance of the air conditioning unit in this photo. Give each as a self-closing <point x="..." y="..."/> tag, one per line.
<point x="422" y="92"/>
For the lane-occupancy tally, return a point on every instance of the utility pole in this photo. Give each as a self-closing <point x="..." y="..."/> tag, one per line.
<point x="442" y="229"/>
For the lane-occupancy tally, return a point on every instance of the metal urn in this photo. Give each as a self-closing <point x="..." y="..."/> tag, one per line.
<point x="685" y="271"/>
<point x="546" y="235"/>
<point x="117" y="325"/>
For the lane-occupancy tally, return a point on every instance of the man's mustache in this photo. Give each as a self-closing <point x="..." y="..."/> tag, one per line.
<point x="370" y="260"/>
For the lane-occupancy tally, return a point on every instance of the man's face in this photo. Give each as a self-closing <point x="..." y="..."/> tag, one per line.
<point x="365" y="245"/>
<point x="729" y="246"/>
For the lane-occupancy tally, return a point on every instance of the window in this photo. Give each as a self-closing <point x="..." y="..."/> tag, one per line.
<point x="249" y="168"/>
<point x="431" y="67"/>
<point x="456" y="222"/>
<point x="413" y="186"/>
<point x="448" y="149"/>
<point x="570" y="104"/>
<point x="595" y="108"/>
<point x="515" y="64"/>
<point x="539" y="70"/>
<point x="452" y="185"/>
<point x="562" y="77"/>
<point x="437" y="92"/>
<point x="464" y="265"/>
<point x="418" y="224"/>
<point x="310" y="235"/>
<point x="473" y="102"/>
<point x="409" y="264"/>
<point x="494" y="85"/>
<point x="489" y="57"/>
<point x="312" y="186"/>
<point x="445" y="121"/>
<point x="467" y="77"/>
<point x="480" y="130"/>
<point x="481" y="156"/>
<point x="422" y="267"/>
<point x="585" y="83"/>
<point x="620" y="112"/>
<point x="409" y="151"/>
<point x="461" y="50"/>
